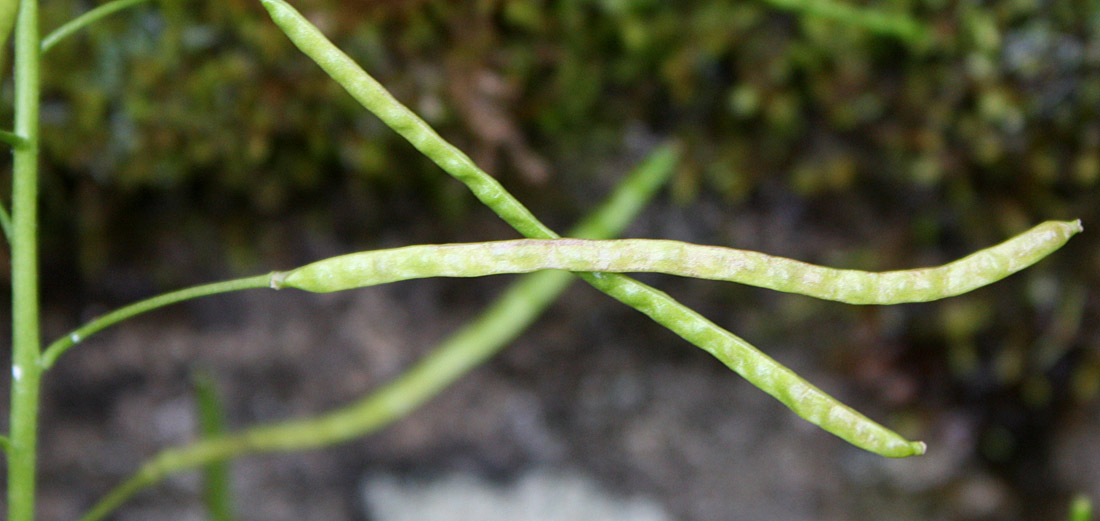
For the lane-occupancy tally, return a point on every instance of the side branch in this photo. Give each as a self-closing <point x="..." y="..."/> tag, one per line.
<point x="84" y="20"/>
<point x="63" y="344"/>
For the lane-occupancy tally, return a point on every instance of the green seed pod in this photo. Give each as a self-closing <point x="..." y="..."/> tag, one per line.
<point x="684" y="259"/>
<point x="767" y="374"/>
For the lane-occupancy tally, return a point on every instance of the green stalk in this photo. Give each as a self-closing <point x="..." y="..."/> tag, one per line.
<point x="63" y="344"/>
<point x="216" y="483"/>
<point x="85" y="20"/>
<point x="26" y="372"/>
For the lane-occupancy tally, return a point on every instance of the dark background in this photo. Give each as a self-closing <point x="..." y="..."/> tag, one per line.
<point x="186" y="142"/>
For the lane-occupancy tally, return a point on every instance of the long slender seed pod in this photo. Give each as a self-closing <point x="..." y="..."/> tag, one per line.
<point x="679" y="258"/>
<point x="372" y="95"/>
<point x="731" y="350"/>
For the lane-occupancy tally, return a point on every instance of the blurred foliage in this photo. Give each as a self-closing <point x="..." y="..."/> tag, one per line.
<point x="210" y="94"/>
<point x="990" y="126"/>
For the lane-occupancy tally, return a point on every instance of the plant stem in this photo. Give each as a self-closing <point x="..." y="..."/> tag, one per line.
<point x="59" y="346"/>
<point x="216" y="485"/>
<point x="85" y="20"/>
<point x="24" y="266"/>
<point x="11" y="138"/>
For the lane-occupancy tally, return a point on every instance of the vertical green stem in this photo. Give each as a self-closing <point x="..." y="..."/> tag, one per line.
<point x="217" y="490"/>
<point x="24" y="266"/>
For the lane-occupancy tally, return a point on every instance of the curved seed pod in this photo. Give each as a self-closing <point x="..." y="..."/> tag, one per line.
<point x="684" y="259"/>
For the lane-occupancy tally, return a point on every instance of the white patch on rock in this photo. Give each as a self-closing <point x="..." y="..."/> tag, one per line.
<point x="537" y="496"/>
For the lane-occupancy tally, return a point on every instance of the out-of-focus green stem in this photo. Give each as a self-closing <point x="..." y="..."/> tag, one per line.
<point x="889" y="24"/>
<point x="8" y="10"/>
<point x="59" y="346"/>
<point x="520" y="305"/>
<point x="216" y="487"/>
<point x="1081" y="508"/>
<point x="25" y="369"/>
<point x="85" y="20"/>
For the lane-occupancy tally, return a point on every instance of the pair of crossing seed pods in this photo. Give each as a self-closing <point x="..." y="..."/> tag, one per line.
<point x="600" y="261"/>
<point x="709" y="262"/>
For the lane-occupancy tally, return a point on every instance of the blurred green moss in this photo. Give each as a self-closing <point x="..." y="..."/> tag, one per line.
<point x="169" y="94"/>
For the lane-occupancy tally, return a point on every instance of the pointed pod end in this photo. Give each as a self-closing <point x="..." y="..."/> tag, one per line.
<point x="905" y="449"/>
<point x="1067" y="229"/>
<point x="1064" y="229"/>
